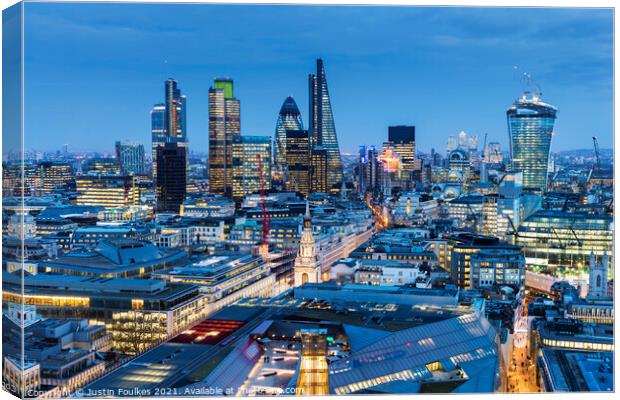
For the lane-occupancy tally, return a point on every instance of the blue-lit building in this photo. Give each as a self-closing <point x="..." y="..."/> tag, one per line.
<point x="530" y="126"/>
<point x="168" y="121"/>
<point x="130" y="157"/>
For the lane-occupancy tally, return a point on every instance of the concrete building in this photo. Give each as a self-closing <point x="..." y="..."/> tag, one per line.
<point x="497" y="267"/>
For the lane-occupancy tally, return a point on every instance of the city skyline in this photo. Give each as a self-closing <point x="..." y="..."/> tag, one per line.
<point x="401" y="229"/>
<point x="415" y="95"/>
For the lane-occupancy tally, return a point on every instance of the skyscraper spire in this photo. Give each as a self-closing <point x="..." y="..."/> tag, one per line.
<point x="322" y="128"/>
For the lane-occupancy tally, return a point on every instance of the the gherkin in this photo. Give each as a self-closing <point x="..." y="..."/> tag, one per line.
<point x="289" y="118"/>
<point x="322" y="128"/>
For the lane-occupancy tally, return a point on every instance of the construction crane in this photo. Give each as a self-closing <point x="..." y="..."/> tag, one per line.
<point x="265" y="216"/>
<point x="596" y="153"/>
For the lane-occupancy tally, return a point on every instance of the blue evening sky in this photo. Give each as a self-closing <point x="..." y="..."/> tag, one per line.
<point x="93" y="71"/>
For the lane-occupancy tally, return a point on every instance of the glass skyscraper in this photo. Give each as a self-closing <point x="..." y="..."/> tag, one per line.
<point x="322" y="129"/>
<point x="171" y="184"/>
<point x="130" y="158"/>
<point x="245" y="166"/>
<point x="168" y="120"/>
<point x="224" y="126"/>
<point x="530" y="126"/>
<point x="288" y="118"/>
<point x="298" y="161"/>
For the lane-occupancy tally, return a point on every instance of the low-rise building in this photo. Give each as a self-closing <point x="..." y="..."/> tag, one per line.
<point x="491" y="267"/>
<point x="137" y="312"/>
<point x="65" y="351"/>
<point x="116" y="258"/>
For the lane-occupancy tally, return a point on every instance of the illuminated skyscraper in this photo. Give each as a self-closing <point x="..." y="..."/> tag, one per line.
<point x="322" y="129"/>
<point x="452" y="144"/>
<point x="318" y="170"/>
<point x="298" y="161"/>
<point x="174" y="117"/>
<point x="245" y="171"/>
<point x="168" y="121"/>
<point x="530" y="126"/>
<point x="493" y="153"/>
<point x="289" y="118"/>
<point x="224" y="126"/>
<point x="401" y="139"/>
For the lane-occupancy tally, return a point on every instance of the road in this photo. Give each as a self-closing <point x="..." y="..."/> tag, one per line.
<point x="522" y="371"/>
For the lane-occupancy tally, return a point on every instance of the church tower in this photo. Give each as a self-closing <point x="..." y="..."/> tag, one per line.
<point x="307" y="264"/>
<point x="597" y="286"/>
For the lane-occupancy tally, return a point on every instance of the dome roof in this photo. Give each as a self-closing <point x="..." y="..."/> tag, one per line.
<point x="458" y="155"/>
<point x="289" y="107"/>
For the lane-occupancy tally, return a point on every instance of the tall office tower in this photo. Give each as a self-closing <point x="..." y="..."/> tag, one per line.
<point x="493" y="153"/>
<point x="171" y="184"/>
<point x="245" y="171"/>
<point x="168" y="121"/>
<point x="373" y="170"/>
<point x="362" y="166"/>
<point x="318" y="170"/>
<point x="130" y="157"/>
<point x="462" y="139"/>
<point x="401" y="139"/>
<point x="472" y="143"/>
<point x="530" y="127"/>
<point x="109" y="191"/>
<point x="174" y="116"/>
<point x="298" y="161"/>
<point x="452" y="144"/>
<point x="322" y="128"/>
<point x="289" y="118"/>
<point x="158" y="133"/>
<point x="224" y="126"/>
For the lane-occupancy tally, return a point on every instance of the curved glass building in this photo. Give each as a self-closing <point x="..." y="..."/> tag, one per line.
<point x="289" y="118"/>
<point x="530" y="126"/>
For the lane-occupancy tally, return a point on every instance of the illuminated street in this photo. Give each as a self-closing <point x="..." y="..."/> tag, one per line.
<point x="522" y="373"/>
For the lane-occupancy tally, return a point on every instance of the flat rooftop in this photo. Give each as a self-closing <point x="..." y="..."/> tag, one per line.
<point x="579" y="371"/>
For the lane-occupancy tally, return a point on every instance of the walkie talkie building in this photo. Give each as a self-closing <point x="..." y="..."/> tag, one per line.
<point x="530" y="126"/>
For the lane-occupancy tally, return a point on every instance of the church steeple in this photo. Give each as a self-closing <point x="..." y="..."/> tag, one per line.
<point x="597" y="283"/>
<point x="307" y="264"/>
<point x="307" y="217"/>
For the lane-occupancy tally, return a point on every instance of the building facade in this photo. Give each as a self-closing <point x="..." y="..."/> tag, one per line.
<point x="322" y="128"/>
<point x="131" y="158"/>
<point x="246" y="151"/>
<point x="298" y="161"/>
<point x="109" y="191"/>
<point x="289" y="118"/>
<point x="171" y="184"/>
<point x="530" y="127"/>
<point x="224" y="126"/>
